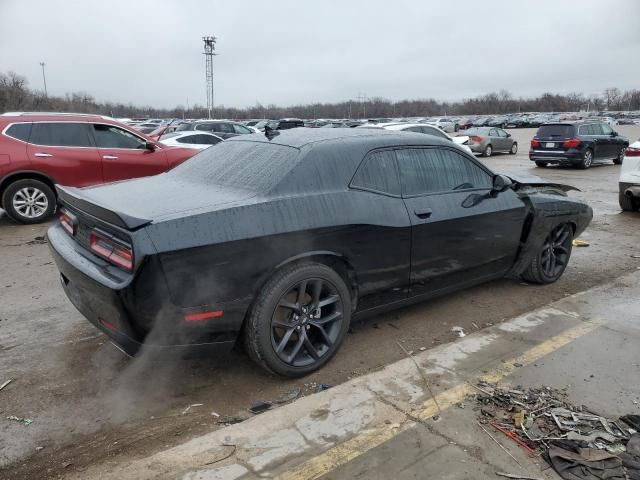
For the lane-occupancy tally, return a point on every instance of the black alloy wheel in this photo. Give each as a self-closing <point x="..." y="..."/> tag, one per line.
<point x="620" y="158"/>
<point x="550" y="262"/>
<point x="307" y="322"/>
<point x="587" y="159"/>
<point x="298" y="320"/>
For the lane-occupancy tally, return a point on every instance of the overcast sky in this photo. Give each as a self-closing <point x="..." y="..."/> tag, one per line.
<point x="148" y="52"/>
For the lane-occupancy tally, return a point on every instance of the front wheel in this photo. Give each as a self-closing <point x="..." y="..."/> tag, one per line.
<point x="299" y="320"/>
<point x="488" y="151"/>
<point x="620" y="158"/>
<point x="514" y="148"/>
<point x="550" y="262"/>
<point x="29" y="201"/>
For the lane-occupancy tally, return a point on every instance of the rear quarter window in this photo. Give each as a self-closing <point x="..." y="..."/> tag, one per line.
<point x="378" y="173"/>
<point x="19" y="131"/>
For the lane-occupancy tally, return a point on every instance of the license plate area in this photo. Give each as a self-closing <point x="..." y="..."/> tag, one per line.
<point x="550" y="145"/>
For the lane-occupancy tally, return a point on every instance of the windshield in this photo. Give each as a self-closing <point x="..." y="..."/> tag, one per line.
<point x="253" y="166"/>
<point x="183" y="126"/>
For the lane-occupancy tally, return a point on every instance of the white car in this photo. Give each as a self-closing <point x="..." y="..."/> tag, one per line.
<point x="190" y="139"/>
<point x="444" y="124"/>
<point x="461" y="140"/>
<point x="629" y="183"/>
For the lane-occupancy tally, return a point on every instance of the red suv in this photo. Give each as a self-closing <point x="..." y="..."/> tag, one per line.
<point x="38" y="150"/>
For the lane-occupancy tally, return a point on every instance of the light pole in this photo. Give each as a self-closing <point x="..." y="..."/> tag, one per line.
<point x="209" y="53"/>
<point x="44" y="79"/>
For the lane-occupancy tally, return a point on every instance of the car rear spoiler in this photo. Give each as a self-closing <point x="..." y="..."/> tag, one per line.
<point x="533" y="181"/>
<point x="77" y="198"/>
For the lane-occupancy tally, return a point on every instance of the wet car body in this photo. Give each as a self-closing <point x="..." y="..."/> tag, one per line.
<point x="210" y="235"/>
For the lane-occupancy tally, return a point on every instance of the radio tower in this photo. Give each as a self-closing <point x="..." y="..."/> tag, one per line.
<point x="209" y="52"/>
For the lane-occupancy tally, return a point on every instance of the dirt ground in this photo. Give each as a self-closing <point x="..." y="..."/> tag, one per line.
<point x="88" y="402"/>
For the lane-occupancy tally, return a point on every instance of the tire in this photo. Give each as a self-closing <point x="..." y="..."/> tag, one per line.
<point x="620" y="158"/>
<point x="541" y="164"/>
<point x="283" y="330"/>
<point x="456" y="128"/>
<point x="514" y="148"/>
<point x="550" y="262"/>
<point x="627" y="204"/>
<point x="587" y="159"/>
<point x="29" y="201"/>
<point x="488" y="151"/>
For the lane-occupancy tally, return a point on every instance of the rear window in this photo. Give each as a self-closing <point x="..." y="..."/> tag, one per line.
<point x="253" y="166"/>
<point x="564" y="131"/>
<point x="21" y="131"/>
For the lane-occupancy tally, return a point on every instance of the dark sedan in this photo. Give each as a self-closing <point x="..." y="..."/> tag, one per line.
<point x="283" y="239"/>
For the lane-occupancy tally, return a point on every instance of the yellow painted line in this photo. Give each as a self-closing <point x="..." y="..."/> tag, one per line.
<point x="369" y="439"/>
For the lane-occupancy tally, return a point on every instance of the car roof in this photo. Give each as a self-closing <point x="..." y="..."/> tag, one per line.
<point x="375" y="138"/>
<point x="52" y="116"/>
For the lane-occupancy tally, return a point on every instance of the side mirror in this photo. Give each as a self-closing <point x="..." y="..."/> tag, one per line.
<point x="614" y="134"/>
<point x="150" y="146"/>
<point x="501" y="183"/>
<point x="508" y="135"/>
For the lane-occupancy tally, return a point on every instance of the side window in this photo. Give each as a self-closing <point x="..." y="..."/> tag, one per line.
<point x="502" y="133"/>
<point x="188" y="139"/>
<point x="240" y="129"/>
<point x="584" y="130"/>
<point x="208" y="139"/>
<point x="62" y="134"/>
<point x="378" y="173"/>
<point x="606" y="129"/>
<point x="594" y="129"/>
<point x="435" y="170"/>
<point x="110" y="136"/>
<point x="493" y="132"/>
<point x="20" y="131"/>
<point x="413" y="129"/>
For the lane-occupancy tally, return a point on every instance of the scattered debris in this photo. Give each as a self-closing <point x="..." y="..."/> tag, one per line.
<point x="499" y="444"/>
<point x="39" y="448"/>
<point x="634" y="256"/>
<point x="580" y="243"/>
<point x="260" y="406"/>
<point x="322" y="387"/>
<point x="214" y="414"/>
<point x="290" y="395"/>
<point x="231" y="419"/>
<point x="459" y="331"/>
<point x="40" y="240"/>
<point x="424" y="377"/>
<point x="66" y="464"/>
<point x="422" y="349"/>
<point x="190" y="406"/>
<point x="6" y="383"/>
<point x="24" y="421"/>
<point x="577" y="443"/>
<point x="515" y="475"/>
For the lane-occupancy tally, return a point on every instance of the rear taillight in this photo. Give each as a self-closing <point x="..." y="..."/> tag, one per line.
<point x="476" y="139"/>
<point x="112" y="249"/>
<point x="535" y="143"/>
<point x="571" y="143"/>
<point x="632" y="152"/>
<point x="68" y="221"/>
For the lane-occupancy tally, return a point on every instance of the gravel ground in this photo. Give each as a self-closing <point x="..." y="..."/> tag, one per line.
<point x="89" y="402"/>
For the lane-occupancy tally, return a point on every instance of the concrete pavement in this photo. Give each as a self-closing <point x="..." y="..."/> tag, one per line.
<point x="388" y="425"/>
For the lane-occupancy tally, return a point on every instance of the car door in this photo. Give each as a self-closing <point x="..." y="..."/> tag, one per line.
<point x="65" y="152"/>
<point x="380" y="241"/>
<point x="125" y="155"/>
<point x="610" y="141"/>
<point x="505" y="140"/>
<point x="462" y="231"/>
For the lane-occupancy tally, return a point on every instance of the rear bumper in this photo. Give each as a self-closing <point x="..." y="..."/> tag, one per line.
<point x="560" y="157"/>
<point x="109" y="309"/>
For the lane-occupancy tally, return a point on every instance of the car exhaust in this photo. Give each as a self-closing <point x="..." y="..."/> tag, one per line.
<point x="633" y="191"/>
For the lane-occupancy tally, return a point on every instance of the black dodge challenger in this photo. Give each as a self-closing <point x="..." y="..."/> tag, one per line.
<point x="282" y="239"/>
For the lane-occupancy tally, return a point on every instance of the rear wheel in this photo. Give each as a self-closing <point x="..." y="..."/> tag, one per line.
<point x="541" y="164"/>
<point x="627" y="204"/>
<point x="587" y="159"/>
<point x="619" y="159"/>
<point x="514" y="148"/>
<point x="299" y="320"/>
<point x="488" y="151"/>
<point x="550" y="262"/>
<point x="29" y="201"/>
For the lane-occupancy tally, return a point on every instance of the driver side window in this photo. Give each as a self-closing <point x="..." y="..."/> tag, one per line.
<point x="110" y="136"/>
<point x="437" y="170"/>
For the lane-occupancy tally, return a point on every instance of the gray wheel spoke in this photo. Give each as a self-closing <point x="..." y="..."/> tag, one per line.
<point x="328" y="319"/>
<point x="315" y="296"/>
<point x="290" y="305"/>
<point x="285" y="339"/>
<point x="310" y="348"/>
<point x="328" y="301"/>
<point x="561" y="249"/>
<point x="296" y="349"/>
<point x="302" y="289"/>
<point x="323" y="332"/>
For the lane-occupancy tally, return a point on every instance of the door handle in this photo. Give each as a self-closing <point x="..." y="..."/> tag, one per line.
<point x="109" y="157"/>
<point x="423" y="213"/>
<point x="42" y="155"/>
